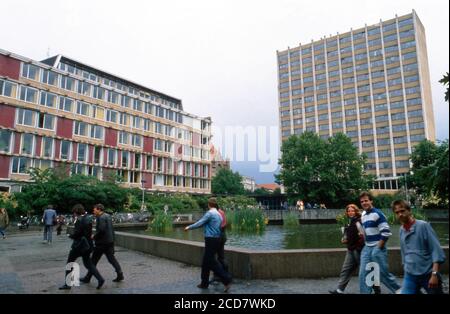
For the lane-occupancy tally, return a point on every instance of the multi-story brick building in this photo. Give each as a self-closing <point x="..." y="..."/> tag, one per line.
<point x="371" y="83"/>
<point x="63" y="113"/>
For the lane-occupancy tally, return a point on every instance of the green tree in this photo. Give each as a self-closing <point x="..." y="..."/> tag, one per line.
<point x="430" y="171"/>
<point x="227" y="182"/>
<point x="444" y="81"/>
<point x="323" y="171"/>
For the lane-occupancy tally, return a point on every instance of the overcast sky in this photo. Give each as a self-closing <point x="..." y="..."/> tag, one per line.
<point x="218" y="56"/>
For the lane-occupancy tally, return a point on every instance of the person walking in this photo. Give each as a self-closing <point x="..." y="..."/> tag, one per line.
<point x="420" y="270"/>
<point x="223" y="240"/>
<point x="82" y="245"/>
<point x="212" y="222"/>
<point x="49" y="220"/>
<point x="376" y="234"/>
<point x="354" y="239"/>
<point x="104" y="243"/>
<point x="4" y="221"/>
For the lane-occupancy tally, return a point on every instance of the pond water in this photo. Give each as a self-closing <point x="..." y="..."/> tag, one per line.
<point x="306" y="236"/>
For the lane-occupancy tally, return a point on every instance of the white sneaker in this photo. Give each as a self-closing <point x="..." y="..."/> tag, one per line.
<point x="399" y="291"/>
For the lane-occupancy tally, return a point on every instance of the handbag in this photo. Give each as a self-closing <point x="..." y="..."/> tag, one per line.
<point x="82" y="246"/>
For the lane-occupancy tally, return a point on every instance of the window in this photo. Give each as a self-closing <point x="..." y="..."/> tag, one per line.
<point x="125" y="158"/>
<point x="415" y="113"/>
<point x="398" y="128"/>
<point x="84" y="88"/>
<point x="65" y="104"/>
<point x="126" y="101"/>
<point x="82" y="108"/>
<point x="20" y="165"/>
<point x="382" y="130"/>
<point x="113" y="97"/>
<point x="111" y="115"/>
<point x="82" y="151"/>
<point x="124" y="118"/>
<point x="99" y="92"/>
<point x="66" y="152"/>
<point x="49" y="77"/>
<point x="47" y="147"/>
<point x="97" y="154"/>
<point x="381" y="118"/>
<point x="124" y="137"/>
<point x="26" y="117"/>
<point x="26" y="145"/>
<point x="401" y="151"/>
<point x="383" y="141"/>
<point x="111" y="157"/>
<point x="136" y="140"/>
<point x="46" y="121"/>
<point x="408" y="21"/>
<point x="67" y="83"/>
<point x="48" y="99"/>
<point x="28" y="94"/>
<point x="5" y="141"/>
<point x="30" y="71"/>
<point x="81" y="128"/>
<point x="97" y="131"/>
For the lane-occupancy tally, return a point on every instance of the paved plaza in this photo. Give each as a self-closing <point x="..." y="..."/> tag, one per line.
<point x="29" y="266"/>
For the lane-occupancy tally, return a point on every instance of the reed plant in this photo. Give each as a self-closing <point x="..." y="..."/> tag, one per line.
<point x="161" y="222"/>
<point x="246" y="220"/>
<point x="290" y="220"/>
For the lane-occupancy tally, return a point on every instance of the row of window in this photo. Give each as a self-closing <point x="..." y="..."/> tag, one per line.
<point x="350" y="79"/>
<point x="28" y="146"/>
<point x="356" y="36"/>
<point x="67" y="104"/>
<point x="21" y="165"/>
<point x="52" y="78"/>
<point x="97" y="92"/>
<point x="320" y="65"/>
<point x="67" y="149"/>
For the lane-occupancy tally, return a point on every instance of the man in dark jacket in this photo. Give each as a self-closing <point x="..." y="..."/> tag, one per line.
<point x="104" y="242"/>
<point x="82" y="245"/>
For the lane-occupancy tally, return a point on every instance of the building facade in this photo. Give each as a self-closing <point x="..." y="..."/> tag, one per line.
<point x="371" y="83"/>
<point x="64" y="114"/>
<point x="217" y="161"/>
<point x="249" y="183"/>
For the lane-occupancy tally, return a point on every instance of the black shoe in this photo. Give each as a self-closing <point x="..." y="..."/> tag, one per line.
<point x="201" y="286"/>
<point x="119" y="277"/>
<point x="65" y="287"/>
<point x="227" y="288"/>
<point x="335" y="292"/>
<point x="85" y="280"/>
<point x="377" y="289"/>
<point x="100" y="284"/>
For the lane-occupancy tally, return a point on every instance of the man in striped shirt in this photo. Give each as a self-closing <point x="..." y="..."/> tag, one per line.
<point x="376" y="234"/>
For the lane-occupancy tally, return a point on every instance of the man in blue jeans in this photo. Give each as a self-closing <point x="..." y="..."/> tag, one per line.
<point x="49" y="219"/>
<point x="376" y="234"/>
<point x="421" y="270"/>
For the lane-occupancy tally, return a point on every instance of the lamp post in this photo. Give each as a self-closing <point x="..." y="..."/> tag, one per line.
<point x="143" y="195"/>
<point x="406" y="189"/>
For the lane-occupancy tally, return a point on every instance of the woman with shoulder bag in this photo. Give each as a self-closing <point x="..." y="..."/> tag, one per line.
<point x="354" y="239"/>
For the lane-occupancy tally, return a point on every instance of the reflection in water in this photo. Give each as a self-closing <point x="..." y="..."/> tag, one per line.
<point x="304" y="237"/>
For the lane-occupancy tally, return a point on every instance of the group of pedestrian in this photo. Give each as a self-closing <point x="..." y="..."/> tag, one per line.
<point x="86" y="242"/>
<point x="366" y="236"/>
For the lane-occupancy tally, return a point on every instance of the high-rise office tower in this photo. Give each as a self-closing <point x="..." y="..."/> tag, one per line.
<point x="371" y="83"/>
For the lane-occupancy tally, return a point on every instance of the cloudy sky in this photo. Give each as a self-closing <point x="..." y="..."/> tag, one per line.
<point x="218" y="56"/>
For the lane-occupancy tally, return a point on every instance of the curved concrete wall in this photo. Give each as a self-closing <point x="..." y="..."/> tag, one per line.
<point x="249" y="264"/>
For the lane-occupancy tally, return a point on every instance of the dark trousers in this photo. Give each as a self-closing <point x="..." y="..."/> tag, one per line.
<point x="210" y="263"/>
<point x="221" y="251"/>
<point x="108" y="250"/>
<point x="351" y="263"/>
<point x="74" y="254"/>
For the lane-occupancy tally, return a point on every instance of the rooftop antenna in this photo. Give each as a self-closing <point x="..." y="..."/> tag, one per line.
<point x="48" y="52"/>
